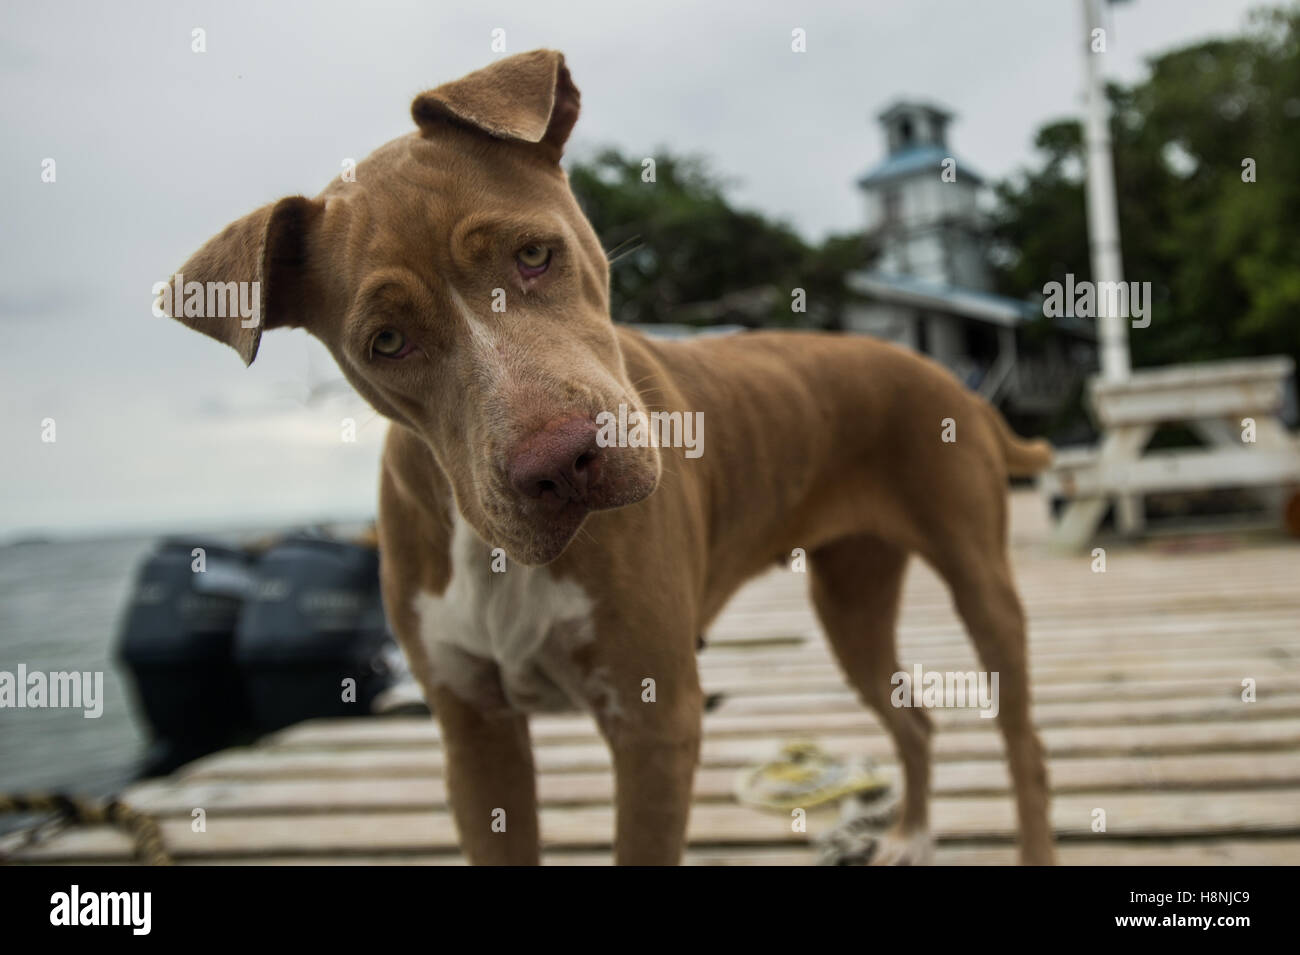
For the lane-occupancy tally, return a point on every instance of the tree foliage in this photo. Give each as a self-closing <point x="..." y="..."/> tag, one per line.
<point x="682" y="253"/>
<point x="1222" y="254"/>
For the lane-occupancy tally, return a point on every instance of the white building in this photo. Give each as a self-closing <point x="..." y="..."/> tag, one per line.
<point x="930" y="286"/>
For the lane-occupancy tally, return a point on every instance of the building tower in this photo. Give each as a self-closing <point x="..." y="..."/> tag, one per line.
<point x="926" y="227"/>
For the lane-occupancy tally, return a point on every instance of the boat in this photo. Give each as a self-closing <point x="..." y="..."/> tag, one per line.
<point x="225" y="643"/>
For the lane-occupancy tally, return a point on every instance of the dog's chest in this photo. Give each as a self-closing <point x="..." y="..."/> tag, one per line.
<point x="503" y="635"/>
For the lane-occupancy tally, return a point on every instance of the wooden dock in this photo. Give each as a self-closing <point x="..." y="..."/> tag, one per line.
<point x="1138" y="676"/>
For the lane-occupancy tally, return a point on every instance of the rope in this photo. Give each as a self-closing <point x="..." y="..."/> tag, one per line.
<point x="145" y="835"/>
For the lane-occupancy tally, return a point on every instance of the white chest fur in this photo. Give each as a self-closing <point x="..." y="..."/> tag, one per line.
<point x="507" y="639"/>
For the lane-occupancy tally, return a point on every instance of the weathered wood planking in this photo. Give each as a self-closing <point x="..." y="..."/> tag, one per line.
<point x="1144" y="815"/>
<point x="1132" y="741"/>
<point x="973" y="777"/>
<point x="1137" y="678"/>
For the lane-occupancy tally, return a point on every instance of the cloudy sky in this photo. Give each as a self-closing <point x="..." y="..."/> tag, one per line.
<point x="157" y="147"/>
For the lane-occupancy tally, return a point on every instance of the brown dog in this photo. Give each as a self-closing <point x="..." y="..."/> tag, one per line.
<point x="465" y="296"/>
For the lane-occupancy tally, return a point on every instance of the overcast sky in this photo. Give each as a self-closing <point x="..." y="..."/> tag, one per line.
<point x="158" y="147"/>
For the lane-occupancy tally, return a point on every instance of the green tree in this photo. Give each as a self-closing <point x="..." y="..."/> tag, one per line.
<point x="1222" y="254"/>
<point x="681" y="253"/>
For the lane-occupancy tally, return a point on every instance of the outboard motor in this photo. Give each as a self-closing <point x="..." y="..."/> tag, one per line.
<point x="177" y="643"/>
<point x="311" y="639"/>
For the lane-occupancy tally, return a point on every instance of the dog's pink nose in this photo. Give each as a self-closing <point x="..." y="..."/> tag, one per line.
<point x="558" y="464"/>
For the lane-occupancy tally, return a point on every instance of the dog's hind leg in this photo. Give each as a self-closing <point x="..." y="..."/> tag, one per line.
<point x="856" y="587"/>
<point x="985" y="595"/>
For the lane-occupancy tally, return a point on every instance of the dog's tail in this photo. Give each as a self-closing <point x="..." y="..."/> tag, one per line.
<point x="1024" y="458"/>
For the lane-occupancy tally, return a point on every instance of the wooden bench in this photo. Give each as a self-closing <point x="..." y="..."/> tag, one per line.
<point x="1213" y="400"/>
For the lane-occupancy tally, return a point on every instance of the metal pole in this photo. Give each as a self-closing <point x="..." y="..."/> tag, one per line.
<point x="1103" y="218"/>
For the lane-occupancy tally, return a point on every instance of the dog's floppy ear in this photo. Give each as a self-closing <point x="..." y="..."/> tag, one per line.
<point x="254" y="274"/>
<point x="528" y="97"/>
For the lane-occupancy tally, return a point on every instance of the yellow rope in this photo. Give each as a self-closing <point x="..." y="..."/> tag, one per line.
<point x="805" y="777"/>
<point x="145" y="834"/>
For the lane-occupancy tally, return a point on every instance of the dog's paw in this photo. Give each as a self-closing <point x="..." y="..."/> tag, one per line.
<point x="895" y="848"/>
<point x="857" y="843"/>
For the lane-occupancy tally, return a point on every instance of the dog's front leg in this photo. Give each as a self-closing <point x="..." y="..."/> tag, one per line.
<point x="654" y="772"/>
<point x="651" y="720"/>
<point x="490" y="782"/>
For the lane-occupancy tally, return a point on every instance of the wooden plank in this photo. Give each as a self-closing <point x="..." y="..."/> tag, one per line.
<point x="1256" y="621"/>
<point x="1153" y="815"/>
<point x="1099" y="852"/>
<point x="1082" y="515"/>
<point x="1250" y="607"/>
<point x="977" y="777"/>
<point x="787" y="589"/>
<point x="1211" y="649"/>
<point x="1111" y="852"/>
<point x="1182" y="470"/>
<point x="783" y="592"/>
<point x="837" y="699"/>
<point x="842" y="700"/>
<point x="722" y="724"/>
<point x="1233" y="388"/>
<point x="1259" y="735"/>
<point x="762" y="680"/>
<point x="1255" y="609"/>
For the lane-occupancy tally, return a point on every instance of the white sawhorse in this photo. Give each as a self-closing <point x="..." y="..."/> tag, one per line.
<point x="1213" y="399"/>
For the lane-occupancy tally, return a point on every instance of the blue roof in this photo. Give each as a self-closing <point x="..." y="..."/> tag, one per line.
<point x="915" y="159"/>
<point x="970" y="303"/>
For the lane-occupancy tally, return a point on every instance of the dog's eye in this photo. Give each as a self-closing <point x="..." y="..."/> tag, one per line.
<point x="391" y="344"/>
<point x="533" y="259"/>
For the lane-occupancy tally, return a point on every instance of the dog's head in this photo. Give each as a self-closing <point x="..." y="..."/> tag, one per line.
<point x="465" y="296"/>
